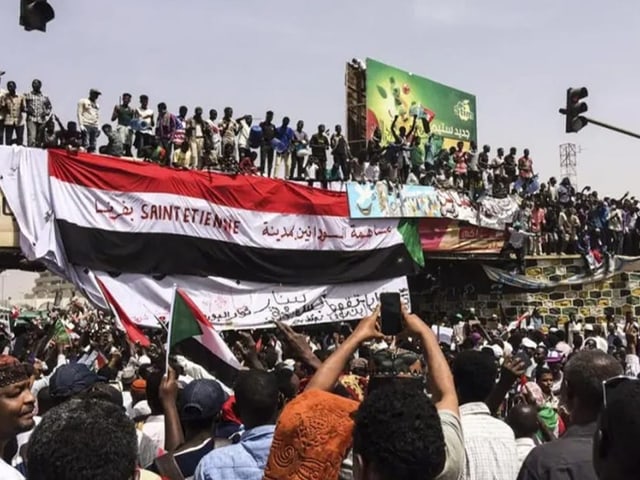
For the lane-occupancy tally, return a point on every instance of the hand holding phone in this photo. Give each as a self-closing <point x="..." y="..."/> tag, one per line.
<point x="390" y="313"/>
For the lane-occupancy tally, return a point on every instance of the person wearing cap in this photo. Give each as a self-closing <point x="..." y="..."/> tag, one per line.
<point x="257" y="402"/>
<point x="39" y="110"/>
<point x="17" y="405"/>
<point x="71" y="380"/>
<point x="555" y="361"/>
<point x="592" y="336"/>
<point x="13" y="106"/>
<point x="127" y="376"/>
<point x="89" y="120"/>
<point x="198" y="409"/>
<point x="138" y="410"/>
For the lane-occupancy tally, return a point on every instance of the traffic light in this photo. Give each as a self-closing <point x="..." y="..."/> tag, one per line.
<point x="35" y="14"/>
<point x="575" y="108"/>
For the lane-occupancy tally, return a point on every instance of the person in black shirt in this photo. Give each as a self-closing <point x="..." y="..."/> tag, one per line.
<point x="550" y="229"/>
<point x="341" y="154"/>
<point x="510" y="166"/>
<point x="319" y="144"/>
<point x="266" y="148"/>
<point x="69" y="137"/>
<point x="615" y="452"/>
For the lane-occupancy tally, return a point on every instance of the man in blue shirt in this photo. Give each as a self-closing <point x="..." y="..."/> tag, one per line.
<point x="256" y="405"/>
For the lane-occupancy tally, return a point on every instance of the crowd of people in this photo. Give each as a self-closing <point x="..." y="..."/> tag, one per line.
<point x="489" y="401"/>
<point x="186" y="139"/>
<point x="557" y="220"/>
<point x="554" y="218"/>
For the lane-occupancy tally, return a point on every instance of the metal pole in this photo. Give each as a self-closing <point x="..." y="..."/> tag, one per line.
<point x="611" y="127"/>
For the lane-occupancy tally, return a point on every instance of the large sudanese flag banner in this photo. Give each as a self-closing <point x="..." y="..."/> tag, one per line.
<point x="248" y="250"/>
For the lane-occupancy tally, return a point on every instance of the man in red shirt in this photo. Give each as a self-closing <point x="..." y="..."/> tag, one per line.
<point x="525" y="169"/>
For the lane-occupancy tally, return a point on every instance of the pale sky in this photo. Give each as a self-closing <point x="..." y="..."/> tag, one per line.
<point x="518" y="58"/>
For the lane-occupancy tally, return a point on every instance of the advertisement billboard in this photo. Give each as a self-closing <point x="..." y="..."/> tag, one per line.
<point x="393" y="92"/>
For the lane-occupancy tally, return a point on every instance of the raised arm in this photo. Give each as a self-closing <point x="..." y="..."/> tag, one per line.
<point x="174" y="436"/>
<point x="441" y="383"/>
<point x="393" y="129"/>
<point x="512" y="370"/>
<point x="413" y="126"/>
<point x="328" y="372"/>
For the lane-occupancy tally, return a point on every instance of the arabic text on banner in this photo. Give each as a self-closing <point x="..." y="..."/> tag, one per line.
<point x="232" y="305"/>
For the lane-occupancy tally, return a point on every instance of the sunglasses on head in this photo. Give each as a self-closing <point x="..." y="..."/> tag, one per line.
<point x="611" y="384"/>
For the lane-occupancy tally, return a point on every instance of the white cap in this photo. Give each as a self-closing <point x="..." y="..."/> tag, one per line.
<point x="497" y="351"/>
<point x="588" y="327"/>
<point x="141" y="409"/>
<point x="553" y="329"/>
<point x="144" y="360"/>
<point x="508" y="349"/>
<point x="528" y="343"/>
<point x="289" y="364"/>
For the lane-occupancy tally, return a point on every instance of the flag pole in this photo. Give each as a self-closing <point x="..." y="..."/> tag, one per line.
<point x="164" y="327"/>
<point x="169" y="328"/>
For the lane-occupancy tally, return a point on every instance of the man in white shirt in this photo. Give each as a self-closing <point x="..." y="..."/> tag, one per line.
<point x="489" y="443"/>
<point x="516" y="243"/>
<point x="17" y="407"/>
<point x="154" y="424"/>
<point x="89" y="119"/>
<point x="244" y="130"/>
<point x="497" y="163"/>
<point x="146" y="127"/>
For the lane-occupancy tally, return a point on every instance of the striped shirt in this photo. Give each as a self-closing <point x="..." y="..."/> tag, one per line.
<point x="37" y="106"/>
<point x="13" y="106"/>
<point x="489" y="443"/>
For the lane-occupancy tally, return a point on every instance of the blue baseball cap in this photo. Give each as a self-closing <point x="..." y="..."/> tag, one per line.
<point x="201" y="400"/>
<point x="72" y="379"/>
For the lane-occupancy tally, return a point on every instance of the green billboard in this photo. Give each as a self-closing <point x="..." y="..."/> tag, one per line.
<point x="393" y="92"/>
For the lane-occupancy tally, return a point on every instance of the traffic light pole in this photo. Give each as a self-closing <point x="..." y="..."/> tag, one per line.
<point x="605" y="125"/>
<point x="611" y="127"/>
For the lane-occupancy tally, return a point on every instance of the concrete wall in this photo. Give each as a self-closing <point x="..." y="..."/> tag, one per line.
<point x="616" y="295"/>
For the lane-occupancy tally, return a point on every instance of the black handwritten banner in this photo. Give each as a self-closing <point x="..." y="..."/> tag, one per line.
<point x="233" y="305"/>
